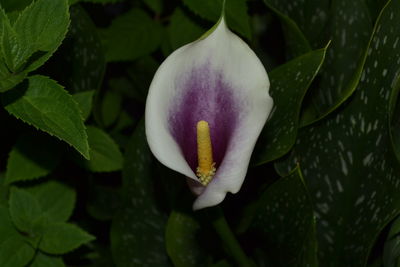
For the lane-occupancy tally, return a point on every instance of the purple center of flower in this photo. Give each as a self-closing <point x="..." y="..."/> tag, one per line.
<point x="203" y="95"/>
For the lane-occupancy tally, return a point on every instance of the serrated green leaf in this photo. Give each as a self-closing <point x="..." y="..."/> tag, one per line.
<point x="182" y="242"/>
<point x="285" y="225"/>
<point x="182" y="30"/>
<point x="44" y="260"/>
<point x="60" y="238"/>
<point x="56" y="200"/>
<point x="130" y="36"/>
<point x="43" y="103"/>
<point x="25" y="212"/>
<point x="235" y="11"/>
<point x="28" y="160"/>
<point x="85" y="101"/>
<point x="105" y="155"/>
<point x="110" y="107"/>
<point x="15" y="252"/>
<point x="8" y="79"/>
<point x="350" y="32"/>
<point x="348" y="162"/>
<point x="289" y="84"/>
<point x="140" y="213"/>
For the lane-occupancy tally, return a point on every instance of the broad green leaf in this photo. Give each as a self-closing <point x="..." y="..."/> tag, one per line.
<point x="56" y="200"/>
<point x="391" y="252"/>
<point x="348" y="162"/>
<point x="182" y="241"/>
<point x="182" y="30"/>
<point x="8" y="79"/>
<point x="15" y="252"/>
<point x="155" y="5"/>
<point x="110" y="107"/>
<point x="285" y="224"/>
<point x="44" y="260"/>
<point x="289" y="84"/>
<point x="235" y="12"/>
<point x="7" y="229"/>
<point x="71" y="2"/>
<point x="130" y="36"/>
<point x="85" y="102"/>
<point x="61" y="238"/>
<point x="296" y="42"/>
<point x="25" y="211"/>
<point x="310" y="16"/>
<point x="43" y="103"/>
<point x="81" y="54"/>
<point x="137" y="232"/>
<point x="105" y="155"/>
<point x="33" y="156"/>
<point x="350" y="32"/>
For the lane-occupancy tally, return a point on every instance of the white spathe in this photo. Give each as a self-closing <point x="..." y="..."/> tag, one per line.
<point x="224" y="51"/>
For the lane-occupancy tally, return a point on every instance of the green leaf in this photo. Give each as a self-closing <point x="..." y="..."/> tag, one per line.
<point x="81" y="54"/>
<point x="182" y="30"/>
<point x="296" y="42"/>
<point x="235" y="12"/>
<point x="285" y="225"/>
<point x="44" y="104"/>
<point x="309" y="16"/>
<point x="56" y="200"/>
<point x="43" y="26"/>
<point x="350" y="32"/>
<point x="85" y="102"/>
<point x="110" y="107"/>
<point x="15" y="252"/>
<point x="61" y="238"/>
<point x="155" y="5"/>
<point x="105" y="155"/>
<point x="44" y="260"/>
<point x="391" y="252"/>
<point x="137" y="232"/>
<point x="348" y="162"/>
<point x="29" y="160"/>
<point x="130" y="36"/>
<point x="182" y="241"/>
<point x="103" y="202"/>
<point x="11" y="5"/>
<point x="25" y="211"/>
<point x="71" y="2"/>
<point x="7" y="229"/>
<point x="289" y="84"/>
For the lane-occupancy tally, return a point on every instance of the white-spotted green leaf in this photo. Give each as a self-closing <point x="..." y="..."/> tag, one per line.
<point x="138" y="228"/>
<point x="348" y="162"/>
<point x="289" y="83"/>
<point x="28" y="160"/>
<point x="130" y="36"/>
<point x="43" y="103"/>
<point x="182" y="239"/>
<point x="105" y="155"/>
<point x="235" y="13"/>
<point x="285" y="224"/>
<point x="350" y="29"/>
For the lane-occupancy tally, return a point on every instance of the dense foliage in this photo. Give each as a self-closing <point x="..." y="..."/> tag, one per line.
<point x="79" y="186"/>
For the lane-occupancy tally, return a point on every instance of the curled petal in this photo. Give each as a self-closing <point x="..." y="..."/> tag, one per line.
<point x="218" y="79"/>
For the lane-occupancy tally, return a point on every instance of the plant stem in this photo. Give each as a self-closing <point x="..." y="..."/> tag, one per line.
<point x="224" y="231"/>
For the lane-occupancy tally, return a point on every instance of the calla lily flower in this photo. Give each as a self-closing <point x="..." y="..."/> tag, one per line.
<point x="206" y="107"/>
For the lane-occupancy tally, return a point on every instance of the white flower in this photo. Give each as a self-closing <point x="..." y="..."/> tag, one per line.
<point x="219" y="82"/>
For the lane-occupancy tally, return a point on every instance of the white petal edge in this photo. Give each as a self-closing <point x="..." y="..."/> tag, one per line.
<point x="242" y="68"/>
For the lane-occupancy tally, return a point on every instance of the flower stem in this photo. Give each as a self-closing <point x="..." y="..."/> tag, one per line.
<point x="229" y="240"/>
